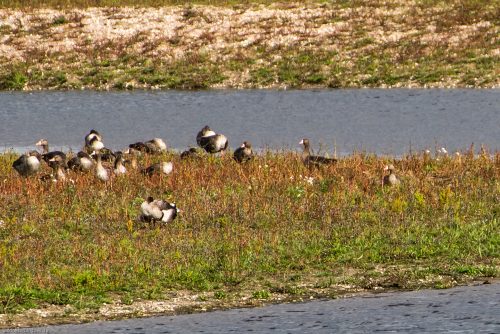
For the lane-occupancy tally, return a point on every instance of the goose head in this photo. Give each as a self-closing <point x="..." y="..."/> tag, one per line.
<point x="44" y="144"/>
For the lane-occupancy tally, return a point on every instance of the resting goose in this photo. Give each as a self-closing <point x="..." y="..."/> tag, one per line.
<point x="244" y="152"/>
<point x="119" y="167"/>
<point x="211" y="141"/>
<point x="313" y="160"/>
<point x="192" y="152"/>
<point x="46" y="155"/>
<point x="158" y="210"/>
<point x="101" y="172"/>
<point x="160" y="168"/>
<point x="155" y="145"/>
<point x="27" y="164"/>
<point x="391" y="179"/>
<point x="82" y="162"/>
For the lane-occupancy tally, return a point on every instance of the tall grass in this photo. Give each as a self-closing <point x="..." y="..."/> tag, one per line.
<point x="255" y="226"/>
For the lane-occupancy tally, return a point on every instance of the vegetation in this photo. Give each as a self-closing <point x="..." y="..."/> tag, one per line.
<point x="266" y="228"/>
<point x="240" y="45"/>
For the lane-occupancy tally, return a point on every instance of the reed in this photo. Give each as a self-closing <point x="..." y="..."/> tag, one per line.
<point x="269" y="226"/>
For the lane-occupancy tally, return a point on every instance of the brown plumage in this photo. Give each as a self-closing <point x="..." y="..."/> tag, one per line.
<point x="244" y="152"/>
<point x="313" y="160"/>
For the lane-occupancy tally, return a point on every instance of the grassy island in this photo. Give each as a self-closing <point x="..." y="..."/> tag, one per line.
<point x="266" y="231"/>
<point x="155" y="44"/>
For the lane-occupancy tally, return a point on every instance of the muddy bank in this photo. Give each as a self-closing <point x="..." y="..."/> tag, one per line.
<point x="393" y="44"/>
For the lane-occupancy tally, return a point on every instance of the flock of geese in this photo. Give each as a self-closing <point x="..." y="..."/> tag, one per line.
<point x="152" y="210"/>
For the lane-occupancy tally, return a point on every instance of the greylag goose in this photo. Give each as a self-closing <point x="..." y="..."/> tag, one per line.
<point x="101" y="172"/>
<point x="244" y="152"/>
<point x="155" y="145"/>
<point x="313" y="160"/>
<point x="211" y="141"/>
<point x="57" y="164"/>
<point x="91" y="135"/>
<point x="391" y="179"/>
<point x="159" y="168"/>
<point x="46" y="155"/>
<point x="158" y="210"/>
<point x="119" y="167"/>
<point x="82" y="162"/>
<point x="132" y="157"/>
<point x="28" y="164"/>
<point x="192" y="152"/>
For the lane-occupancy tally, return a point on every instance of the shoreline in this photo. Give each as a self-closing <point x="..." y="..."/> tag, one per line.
<point x="191" y="303"/>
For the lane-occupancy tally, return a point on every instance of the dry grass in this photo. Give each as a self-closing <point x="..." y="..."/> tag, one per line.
<point x="334" y="44"/>
<point x="267" y="227"/>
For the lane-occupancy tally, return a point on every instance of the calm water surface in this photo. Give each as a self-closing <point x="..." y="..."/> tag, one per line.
<point x="379" y="121"/>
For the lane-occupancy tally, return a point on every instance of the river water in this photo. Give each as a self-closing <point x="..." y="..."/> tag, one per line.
<point x="375" y="120"/>
<point x="471" y="309"/>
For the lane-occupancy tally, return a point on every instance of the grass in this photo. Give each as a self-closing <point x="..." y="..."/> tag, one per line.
<point x="262" y="228"/>
<point x="425" y="44"/>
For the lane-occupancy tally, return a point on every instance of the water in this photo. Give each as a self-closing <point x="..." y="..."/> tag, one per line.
<point x="374" y="120"/>
<point x="458" y="310"/>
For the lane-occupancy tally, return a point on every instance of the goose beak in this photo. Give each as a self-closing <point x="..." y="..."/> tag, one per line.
<point x="242" y="146"/>
<point x="301" y="142"/>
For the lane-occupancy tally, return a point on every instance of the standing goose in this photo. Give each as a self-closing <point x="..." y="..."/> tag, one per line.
<point x="163" y="167"/>
<point x="82" y="162"/>
<point x="57" y="164"/>
<point x="313" y="160"/>
<point x="119" y="167"/>
<point x="211" y="141"/>
<point x="27" y="164"/>
<point x="101" y="172"/>
<point x="46" y="155"/>
<point x="244" y="152"/>
<point x="132" y="160"/>
<point x="91" y="135"/>
<point x="158" y="210"/>
<point x="391" y="179"/>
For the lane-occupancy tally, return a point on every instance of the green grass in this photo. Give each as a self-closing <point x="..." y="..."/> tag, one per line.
<point x="259" y="228"/>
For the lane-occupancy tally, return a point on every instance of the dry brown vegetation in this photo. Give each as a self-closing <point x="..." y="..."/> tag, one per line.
<point x="267" y="230"/>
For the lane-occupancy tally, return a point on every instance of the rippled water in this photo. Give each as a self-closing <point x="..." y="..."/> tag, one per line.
<point x="380" y="121"/>
<point x="472" y="309"/>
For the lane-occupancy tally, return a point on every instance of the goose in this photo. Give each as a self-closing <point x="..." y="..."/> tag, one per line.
<point x="155" y="145"/>
<point x="28" y="164"/>
<point x="160" y="168"/>
<point x="57" y="163"/>
<point x="91" y="135"/>
<point x="46" y="155"/>
<point x="119" y="167"/>
<point x="82" y="162"/>
<point x="158" y="210"/>
<point x="211" y="141"/>
<point x="313" y="160"/>
<point x="244" y="152"/>
<point x="101" y="172"/>
<point x="95" y="144"/>
<point x="192" y="152"/>
<point x="391" y="179"/>
<point x="132" y="153"/>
